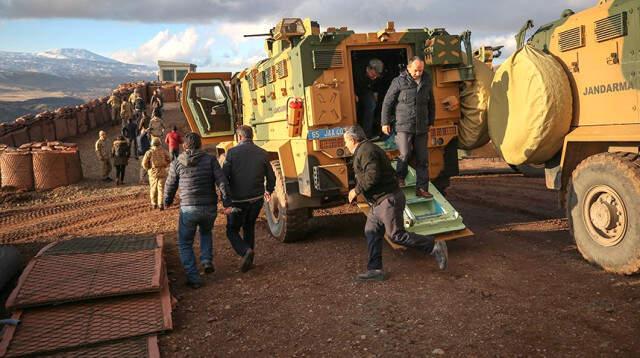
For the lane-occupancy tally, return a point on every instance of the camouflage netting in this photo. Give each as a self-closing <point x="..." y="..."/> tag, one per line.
<point x="530" y="108"/>
<point x="473" y="131"/>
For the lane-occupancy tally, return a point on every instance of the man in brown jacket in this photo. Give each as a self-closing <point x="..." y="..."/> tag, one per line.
<point x="156" y="161"/>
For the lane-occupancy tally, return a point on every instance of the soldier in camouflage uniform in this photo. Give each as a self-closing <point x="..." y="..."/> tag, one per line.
<point x="156" y="161"/>
<point x="103" y="154"/>
<point x="156" y="127"/>
<point x="115" y="102"/>
<point x="126" y="112"/>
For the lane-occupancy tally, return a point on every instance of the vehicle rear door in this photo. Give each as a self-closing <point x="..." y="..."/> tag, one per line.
<point x="208" y="105"/>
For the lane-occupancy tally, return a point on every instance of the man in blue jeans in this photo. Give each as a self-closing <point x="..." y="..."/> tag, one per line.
<point x="197" y="174"/>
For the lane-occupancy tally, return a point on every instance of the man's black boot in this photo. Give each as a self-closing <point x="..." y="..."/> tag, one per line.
<point x="371" y="275"/>
<point x="247" y="261"/>
<point x="208" y="267"/>
<point x="441" y="254"/>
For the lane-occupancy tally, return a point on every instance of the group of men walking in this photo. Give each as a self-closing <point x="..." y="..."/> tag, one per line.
<point x="246" y="179"/>
<point x="139" y="138"/>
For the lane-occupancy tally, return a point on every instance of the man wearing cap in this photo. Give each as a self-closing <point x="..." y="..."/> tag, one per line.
<point x="369" y="88"/>
<point x="156" y="161"/>
<point x="103" y="154"/>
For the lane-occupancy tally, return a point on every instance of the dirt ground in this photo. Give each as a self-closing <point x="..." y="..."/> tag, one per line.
<point x="518" y="288"/>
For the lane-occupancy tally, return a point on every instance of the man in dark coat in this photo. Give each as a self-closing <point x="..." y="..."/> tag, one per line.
<point x="369" y="90"/>
<point x="376" y="181"/>
<point x="409" y="104"/>
<point x="252" y="180"/>
<point x="197" y="174"/>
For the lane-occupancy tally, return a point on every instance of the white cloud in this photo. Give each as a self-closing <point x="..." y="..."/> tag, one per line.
<point x="184" y="46"/>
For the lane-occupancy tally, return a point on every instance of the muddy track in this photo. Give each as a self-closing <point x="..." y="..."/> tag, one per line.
<point x="9" y="217"/>
<point x="69" y="219"/>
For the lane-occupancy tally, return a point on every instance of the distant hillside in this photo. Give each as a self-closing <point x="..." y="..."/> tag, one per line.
<point x="9" y="111"/>
<point x="71" y="63"/>
<point x="30" y="82"/>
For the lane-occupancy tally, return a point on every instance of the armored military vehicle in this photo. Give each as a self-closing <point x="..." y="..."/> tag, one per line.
<point x="596" y="166"/>
<point x="302" y="95"/>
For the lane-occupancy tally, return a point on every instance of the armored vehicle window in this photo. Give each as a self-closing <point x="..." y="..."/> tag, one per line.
<point x="211" y="104"/>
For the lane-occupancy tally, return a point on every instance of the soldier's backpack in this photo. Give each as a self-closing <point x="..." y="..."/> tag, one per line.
<point x="122" y="150"/>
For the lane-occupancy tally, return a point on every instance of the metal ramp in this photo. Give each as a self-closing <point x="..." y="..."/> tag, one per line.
<point x="435" y="216"/>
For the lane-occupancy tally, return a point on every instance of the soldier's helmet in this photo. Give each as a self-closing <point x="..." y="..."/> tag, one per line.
<point x="377" y="65"/>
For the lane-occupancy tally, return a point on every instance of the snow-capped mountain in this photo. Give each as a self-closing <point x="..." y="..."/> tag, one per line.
<point x="69" y="63"/>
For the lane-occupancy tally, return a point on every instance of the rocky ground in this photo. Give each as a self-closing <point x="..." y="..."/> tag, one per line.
<point x="518" y="288"/>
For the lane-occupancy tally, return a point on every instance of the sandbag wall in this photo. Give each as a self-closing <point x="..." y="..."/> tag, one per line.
<point x="40" y="166"/>
<point x="69" y="122"/>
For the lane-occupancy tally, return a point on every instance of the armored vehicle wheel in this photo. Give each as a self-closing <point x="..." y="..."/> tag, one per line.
<point x="603" y="202"/>
<point x="285" y="224"/>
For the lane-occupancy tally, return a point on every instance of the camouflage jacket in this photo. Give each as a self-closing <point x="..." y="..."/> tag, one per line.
<point x="156" y="127"/>
<point x="156" y="161"/>
<point x="114" y="101"/>
<point x="102" y="151"/>
<point x="126" y="110"/>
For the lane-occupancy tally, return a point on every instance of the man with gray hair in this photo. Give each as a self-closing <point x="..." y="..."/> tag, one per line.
<point x="252" y="180"/>
<point x="377" y="182"/>
<point x="409" y="104"/>
<point x="369" y="87"/>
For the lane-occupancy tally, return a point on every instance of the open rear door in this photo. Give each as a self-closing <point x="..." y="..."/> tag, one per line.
<point x="208" y="105"/>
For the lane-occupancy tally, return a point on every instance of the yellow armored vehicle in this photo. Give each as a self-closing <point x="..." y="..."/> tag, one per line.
<point x="302" y="95"/>
<point x="578" y="78"/>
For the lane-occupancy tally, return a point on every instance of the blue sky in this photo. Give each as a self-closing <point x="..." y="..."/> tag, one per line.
<point x="209" y="32"/>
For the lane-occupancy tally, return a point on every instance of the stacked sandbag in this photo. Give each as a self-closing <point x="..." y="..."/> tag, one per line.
<point x="530" y="109"/>
<point x="60" y="121"/>
<point x="56" y="164"/>
<point x="169" y="93"/>
<point x="21" y="130"/>
<point x="40" y="166"/>
<point x="473" y="130"/>
<point x="6" y="138"/>
<point x="81" y="116"/>
<point x="3" y="147"/>
<point x="17" y="169"/>
<point x="47" y="125"/>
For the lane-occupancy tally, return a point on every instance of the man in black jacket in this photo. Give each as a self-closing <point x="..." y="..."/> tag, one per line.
<point x="409" y="104"/>
<point x="197" y="174"/>
<point x="376" y="181"/>
<point x="246" y="166"/>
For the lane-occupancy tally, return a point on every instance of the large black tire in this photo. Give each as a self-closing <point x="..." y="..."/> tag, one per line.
<point x="285" y="224"/>
<point x="603" y="202"/>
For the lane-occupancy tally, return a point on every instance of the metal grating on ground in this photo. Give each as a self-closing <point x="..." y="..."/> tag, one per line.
<point x="52" y="329"/>
<point x="53" y="279"/>
<point x="102" y="245"/>
<point x="135" y="347"/>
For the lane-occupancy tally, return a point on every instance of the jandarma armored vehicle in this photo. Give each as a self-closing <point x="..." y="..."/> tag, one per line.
<point x="568" y="100"/>
<point x="302" y="95"/>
